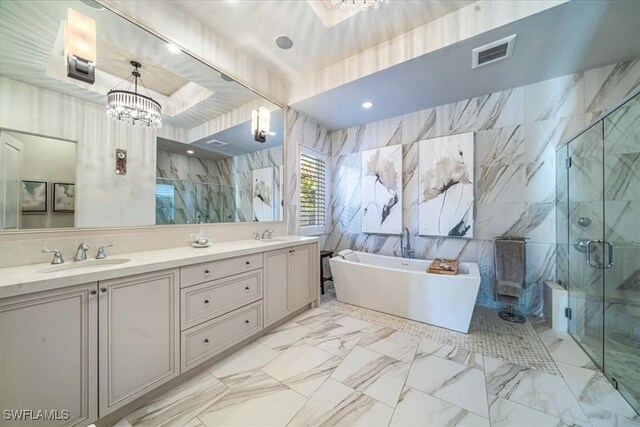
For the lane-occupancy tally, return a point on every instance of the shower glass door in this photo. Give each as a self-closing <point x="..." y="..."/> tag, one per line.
<point x="622" y="237"/>
<point x="585" y="218"/>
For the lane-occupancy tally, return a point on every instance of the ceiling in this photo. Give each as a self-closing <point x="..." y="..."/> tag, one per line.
<point x="253" y="25"/>
<point x="565" y="39"/>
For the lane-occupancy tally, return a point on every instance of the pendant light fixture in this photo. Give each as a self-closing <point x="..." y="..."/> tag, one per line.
<point x="131" y="107"/>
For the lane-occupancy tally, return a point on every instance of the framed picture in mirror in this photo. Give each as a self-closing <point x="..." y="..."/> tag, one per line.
<point x="64" y="197"/>
<point x="34" y="197"/>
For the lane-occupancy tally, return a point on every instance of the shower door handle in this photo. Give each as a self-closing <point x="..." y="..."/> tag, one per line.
<point x="589" y="245"/>
<point x="610" y="253"/>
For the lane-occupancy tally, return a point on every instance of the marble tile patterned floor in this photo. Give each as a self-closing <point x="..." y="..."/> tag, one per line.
<point x="329" y="368"/>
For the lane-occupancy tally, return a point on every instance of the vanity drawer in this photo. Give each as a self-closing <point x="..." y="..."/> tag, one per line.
<point x="211" y="299"/>
<point x="205" y="272"/>
<point x="208" y="339"/>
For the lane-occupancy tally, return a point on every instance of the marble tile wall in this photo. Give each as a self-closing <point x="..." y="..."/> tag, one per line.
<point x="301" y="131"/>
<point x="516" y="134"/>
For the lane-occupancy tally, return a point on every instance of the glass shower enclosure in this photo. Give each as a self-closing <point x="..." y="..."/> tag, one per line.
<point x="598" y="243"/>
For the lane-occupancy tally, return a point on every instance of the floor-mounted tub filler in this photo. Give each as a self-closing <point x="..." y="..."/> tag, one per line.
<point x="402" y="287"/>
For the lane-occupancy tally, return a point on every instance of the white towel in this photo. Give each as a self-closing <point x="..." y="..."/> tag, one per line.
<point x="345" y="252"/>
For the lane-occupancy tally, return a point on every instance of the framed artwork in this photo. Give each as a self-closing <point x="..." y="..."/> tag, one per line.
<point x="382" y="190"/>
<point x="34" y="197"/>
<point x="446" y="183"/>
<point x="263" y="194"/>
<point x="64" y="197"/>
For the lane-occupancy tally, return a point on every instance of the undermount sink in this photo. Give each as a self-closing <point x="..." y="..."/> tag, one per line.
<point x="84" y="264"/>
<point x="272" y="240"/>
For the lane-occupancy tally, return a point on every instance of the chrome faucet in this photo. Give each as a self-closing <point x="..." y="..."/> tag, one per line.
<point x="101" y="253"/>
<point x="406" y="249"/>
<point x="81" y="252"/>
<point x="268" y="233"/>
<point x="57" y="256"/>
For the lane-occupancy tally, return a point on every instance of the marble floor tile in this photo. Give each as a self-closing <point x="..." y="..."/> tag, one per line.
<point x="242" y="364"/>
<point x="535" y="389"/>
<point x="285" y="336"/>
<point x="354" y="323"/>
<point x="335" y="404"/>
<point x="504" y="413"/>
<point x="260" y="400"/>
<point x="334" y="338"/>
<point x="566" y="350"/>
<point x="303" y="368"/>
<point x="603" y="418"/>
<point x="390" y="342"/>
<point x="315" y="317"/>
<point x="374" y="374"/>
<point x="459" y="355"/>
<point x="594" y="389"/>
<point x="452" y="382"/>
<point x="181" y="404"/>
<point x="419" y="409"/>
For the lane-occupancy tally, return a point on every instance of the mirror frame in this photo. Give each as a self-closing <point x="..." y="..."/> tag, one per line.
<point x="169" y="227"/>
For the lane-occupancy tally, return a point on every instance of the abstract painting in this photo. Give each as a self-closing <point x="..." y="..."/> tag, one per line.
<point x="446" y="185"/>
<point x="34" y="197"/>
<point x="64" y="197"/>
<point x="382" y="190"/>
<point x="263" y="194"/>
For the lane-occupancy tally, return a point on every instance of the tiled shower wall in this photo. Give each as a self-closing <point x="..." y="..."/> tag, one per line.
<point x="236" y="171"/>
<point x="516" y="134"/>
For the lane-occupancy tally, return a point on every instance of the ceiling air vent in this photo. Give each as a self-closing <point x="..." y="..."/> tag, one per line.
<point x="217" y="143"/>
<point x="492" y="52"/>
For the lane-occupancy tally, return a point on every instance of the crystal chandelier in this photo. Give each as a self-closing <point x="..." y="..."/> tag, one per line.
<point x="131" y="107"/>
<point x="358" y="4"/>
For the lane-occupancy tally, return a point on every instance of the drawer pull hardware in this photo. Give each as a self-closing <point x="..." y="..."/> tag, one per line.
<point x="103" y="290"/>
<point x="206" y="272"/>
<point x="246" y="288"/>
<point x="246" y="321"/>
<point x="248" y="262"/>
<point x="93" y="292"/>
<point x="206" y="340"/>
<point x="206" y="301"/>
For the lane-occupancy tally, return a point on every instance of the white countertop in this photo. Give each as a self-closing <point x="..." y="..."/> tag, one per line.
<point x="28" y="278"/>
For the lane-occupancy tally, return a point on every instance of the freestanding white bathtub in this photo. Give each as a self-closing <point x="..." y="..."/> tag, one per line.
<point x="402" y="287"/>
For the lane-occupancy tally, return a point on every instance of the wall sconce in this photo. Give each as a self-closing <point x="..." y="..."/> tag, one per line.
<point x="80" y="46"/>
<point x="260" y="124"/>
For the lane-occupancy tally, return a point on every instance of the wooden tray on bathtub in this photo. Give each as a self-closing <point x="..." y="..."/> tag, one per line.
<point x="436" y="267"/>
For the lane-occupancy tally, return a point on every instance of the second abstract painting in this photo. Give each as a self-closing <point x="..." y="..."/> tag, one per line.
<point x="382" y="190"/>
<point x="446" y="185"/>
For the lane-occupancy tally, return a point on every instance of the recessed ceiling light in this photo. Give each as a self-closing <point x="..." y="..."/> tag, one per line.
<point x="173" y="48"/>
<point x="189" y="151"/>
<point x="367" y="104"/>
<point x="284" y="42"/>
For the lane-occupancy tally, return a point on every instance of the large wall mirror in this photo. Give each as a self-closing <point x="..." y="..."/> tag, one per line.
<point x="181" y="142"/>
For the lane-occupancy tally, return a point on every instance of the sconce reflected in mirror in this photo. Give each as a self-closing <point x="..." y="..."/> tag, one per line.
<point x="260" y="124"/>
<point x="80" y="46"/>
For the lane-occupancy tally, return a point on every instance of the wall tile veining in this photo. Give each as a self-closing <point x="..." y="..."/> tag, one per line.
<point x="516" y="134"/>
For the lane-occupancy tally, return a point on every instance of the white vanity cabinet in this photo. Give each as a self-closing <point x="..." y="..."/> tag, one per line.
<point x="290" y="281"/>
<point x="48" y="355"/>
<point x="139" y="336"/>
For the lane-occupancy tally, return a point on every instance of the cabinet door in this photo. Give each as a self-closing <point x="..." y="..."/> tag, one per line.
<point x="302" y="275"/>
<point x="138" y="336"/>
<point x="48" y="359"/>
<point x="277" y="303"/>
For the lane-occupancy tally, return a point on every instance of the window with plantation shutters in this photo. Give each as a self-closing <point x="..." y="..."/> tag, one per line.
<point x="313" y="191"/>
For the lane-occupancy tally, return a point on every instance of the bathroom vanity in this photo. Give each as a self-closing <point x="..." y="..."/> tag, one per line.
<point x="91" y="339"/>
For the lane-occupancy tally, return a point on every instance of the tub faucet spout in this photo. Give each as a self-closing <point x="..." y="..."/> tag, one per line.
<point x="405" y="249"/>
